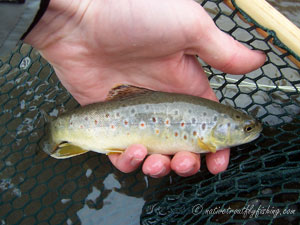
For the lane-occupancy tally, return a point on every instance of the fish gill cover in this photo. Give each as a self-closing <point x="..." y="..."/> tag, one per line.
<point x="260" y="186"/>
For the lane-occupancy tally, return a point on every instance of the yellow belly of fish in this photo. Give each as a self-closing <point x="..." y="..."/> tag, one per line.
<point x="107" y="141"/>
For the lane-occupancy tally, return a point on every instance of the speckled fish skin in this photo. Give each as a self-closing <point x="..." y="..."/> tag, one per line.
<point x="165" y="123"/>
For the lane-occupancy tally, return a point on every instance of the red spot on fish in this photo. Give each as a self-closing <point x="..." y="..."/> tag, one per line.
<point x="153" y="119"/>
<point x="176" y="134"/>
<point x="126" y="122"/>
<point x="195" y="133"/>
<point x="142" y="125"/>
<point x="112" y="127"/>
<point x="167" y="122"/>
<point x="182" y="124"/>
<point x="185" y="137"/>
<point x="157" y="131"/>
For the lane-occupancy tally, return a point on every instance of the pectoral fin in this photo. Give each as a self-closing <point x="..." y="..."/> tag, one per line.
<point x="206" y="146"/>
<point x="67" y="150"/>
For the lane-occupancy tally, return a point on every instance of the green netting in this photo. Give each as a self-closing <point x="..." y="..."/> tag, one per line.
<point x="265" y="174"/>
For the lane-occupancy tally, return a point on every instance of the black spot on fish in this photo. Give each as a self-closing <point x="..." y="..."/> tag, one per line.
<point x="193" y="120"/>
<point x="204" y="113"/>
<point x="203" y="126"/>
<point x="133" y="111"/>
<point x="225" y="116"/>
<point x="215" y="118"/>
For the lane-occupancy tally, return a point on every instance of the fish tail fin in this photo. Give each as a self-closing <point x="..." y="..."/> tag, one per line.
<point x="45" y="116"/>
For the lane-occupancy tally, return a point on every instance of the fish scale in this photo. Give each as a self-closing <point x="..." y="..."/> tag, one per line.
<point x="165" y="123"/>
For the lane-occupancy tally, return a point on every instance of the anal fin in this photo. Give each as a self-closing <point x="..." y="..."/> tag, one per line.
<point x="113" y="151"/>
<point x="206" y="146"/>
<point x="67" y="150"/>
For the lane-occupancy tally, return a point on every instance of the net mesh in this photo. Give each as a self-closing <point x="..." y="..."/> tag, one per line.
<point x="37" y="189"/>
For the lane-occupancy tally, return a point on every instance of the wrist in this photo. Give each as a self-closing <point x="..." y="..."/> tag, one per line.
<point x="43" y="7"/>
<point x="54" y="24"/>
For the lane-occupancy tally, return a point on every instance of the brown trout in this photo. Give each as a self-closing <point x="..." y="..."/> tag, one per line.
<point x="165" y="123"/>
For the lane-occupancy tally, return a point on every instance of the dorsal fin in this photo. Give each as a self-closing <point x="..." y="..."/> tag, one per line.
<point x="125" y="91"/>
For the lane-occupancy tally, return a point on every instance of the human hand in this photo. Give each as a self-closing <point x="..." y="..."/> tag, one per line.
<point x="94" y="45"/>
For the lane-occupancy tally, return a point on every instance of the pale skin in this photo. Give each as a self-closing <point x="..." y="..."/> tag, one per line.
<point x="95" y="45"/>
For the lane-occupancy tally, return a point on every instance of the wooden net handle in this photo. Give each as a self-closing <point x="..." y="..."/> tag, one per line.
<point x="267" y="16"/>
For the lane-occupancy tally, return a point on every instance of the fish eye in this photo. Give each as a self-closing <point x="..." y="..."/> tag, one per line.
<point x="248" y="128"/>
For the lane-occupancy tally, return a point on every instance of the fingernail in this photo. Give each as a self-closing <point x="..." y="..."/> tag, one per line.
<point x="188" y="170"/>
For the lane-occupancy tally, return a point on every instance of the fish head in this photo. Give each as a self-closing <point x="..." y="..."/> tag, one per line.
<point x="235" y="129"/>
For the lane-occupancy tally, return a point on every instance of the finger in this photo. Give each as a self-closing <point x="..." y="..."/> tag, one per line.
<point x="221" y="51"/>
<point x="218" y="162"/>
<point x="185" y="163"/>
<point x="157" y="165"/>
<point x="130" y="160"/>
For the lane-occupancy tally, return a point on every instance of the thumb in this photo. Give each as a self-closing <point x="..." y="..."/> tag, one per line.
<point x="222" y="52"/>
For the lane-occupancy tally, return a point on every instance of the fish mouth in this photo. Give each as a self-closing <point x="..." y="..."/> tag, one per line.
<point x="254" y="137"/>
<point x="259" y="126"/>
